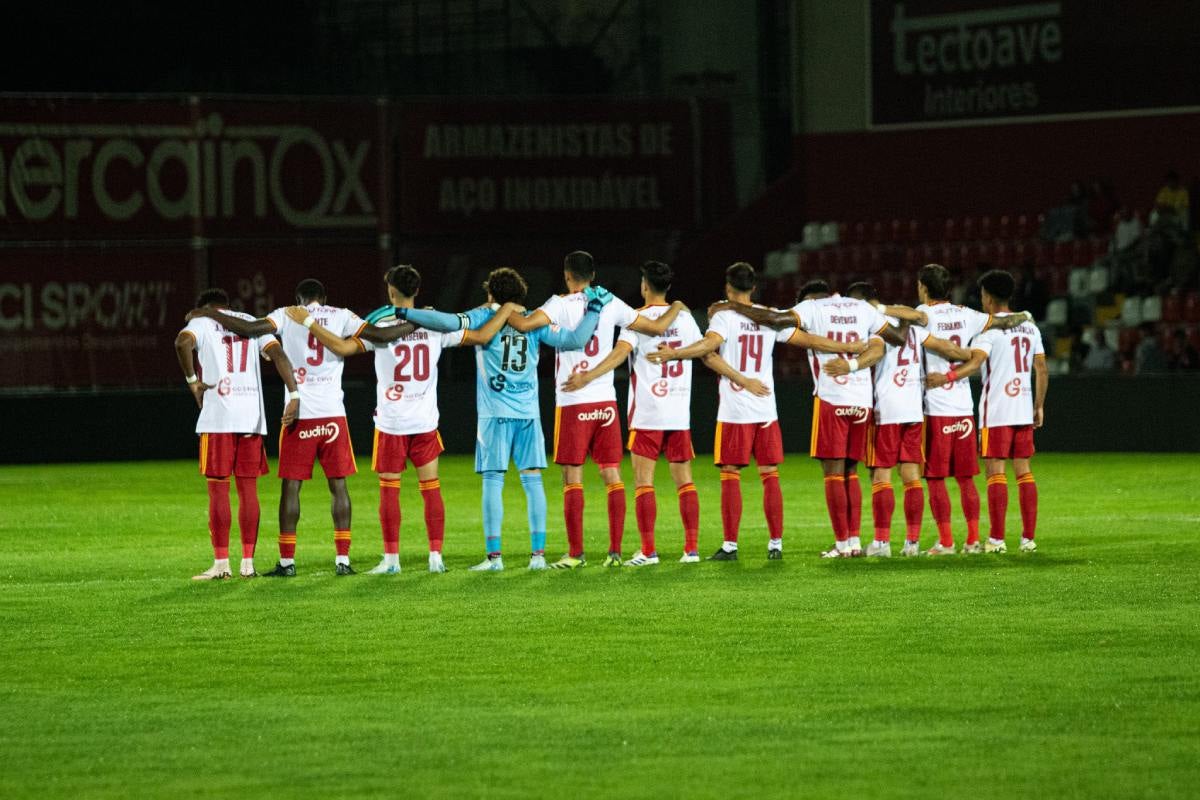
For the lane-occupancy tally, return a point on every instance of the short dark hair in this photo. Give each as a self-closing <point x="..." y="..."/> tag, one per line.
<point x="580" y="264"/>
<point x="815" y="286"/>
<point x="741" y="277"/>
<point x="506" y="285"/>
<point x="404" y="279"/>
<point x="999" y="284"/>
<point x="212" y="297"/>
<point x="658" y="275"/>
<point x="936" y="280"/>
<point x="862" y="290"/>
<point x="310" y="289"/>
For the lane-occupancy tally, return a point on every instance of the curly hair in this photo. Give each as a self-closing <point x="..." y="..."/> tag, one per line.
<point x="212" y="297"/>
<point x="506" y="285"/>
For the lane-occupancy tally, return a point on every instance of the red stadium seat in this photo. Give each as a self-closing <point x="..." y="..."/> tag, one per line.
<point x="1100" y="246"/>
<point x="986" y="227"/>
<point x="950" y="230"/>
<point x="1022" y="226"/>
<point x="985" y="253"/>
<point x="888" y="286"/>
<point x="896" y="231"/>
<point x="1081" y="253"/>
<point x="913" y="258"/>
<point x="858" y="234"/>
<point x="1062" y="254"/>
<point x="913" y="231"/>
<point x="966" y="230"/>
<point x="878" y="233"/>
<point x="1172" y="309"/>
<point x="1059" y="280"/>
<point x="1004" y="228"/>
<point x="1006" y="254"/>
<point x="907" y="290"/>
<point x="1191" y="307"/>
<point x="1128" y="340"/>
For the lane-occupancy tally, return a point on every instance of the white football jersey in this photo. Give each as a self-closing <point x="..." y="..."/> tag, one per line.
<point x="229" y="364"/>
<point x="843" y="319"/>
<point x="899" y="380"/>
<point x="750" y="349"/>
<point x="406" y="380"/>
<point x="660" y="395"/>
<point x="960" y="325"/>
<point x="566" y="311"/>
<point x="318" y="371"/>
<point x="1007" y="396"/>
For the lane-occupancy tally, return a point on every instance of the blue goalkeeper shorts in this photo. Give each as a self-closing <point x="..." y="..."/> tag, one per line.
<point x="500" y="439"/>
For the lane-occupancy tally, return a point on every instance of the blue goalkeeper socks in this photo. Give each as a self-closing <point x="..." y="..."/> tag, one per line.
<point x="493" y="510"/>
<point x="535" y="504"/>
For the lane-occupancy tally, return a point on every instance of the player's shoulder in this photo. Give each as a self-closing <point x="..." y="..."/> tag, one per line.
<point x="239" y="314"/>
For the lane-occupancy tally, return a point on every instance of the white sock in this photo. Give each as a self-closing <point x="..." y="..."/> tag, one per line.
<point x="221" y="564"/>
<point x="842" y="547"/>
<point x="775" y="544"/>
<point x="729" y="547"/>
<point x="992" y="540"/>
<point x="286" y="562"/>
<point x="344" y="560"/>
<point x="247" y="565"/>
<point x="854" y="543"/>
<point x="389" y="559"/>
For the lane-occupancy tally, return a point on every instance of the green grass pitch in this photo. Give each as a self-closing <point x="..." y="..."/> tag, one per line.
<point x="1068" y="673"/>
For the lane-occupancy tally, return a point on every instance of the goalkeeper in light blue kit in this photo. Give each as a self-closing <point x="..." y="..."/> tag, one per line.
<point x="506" y="392"/>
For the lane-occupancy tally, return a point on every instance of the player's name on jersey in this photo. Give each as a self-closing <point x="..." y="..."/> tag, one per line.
<point x="843" y="319"/>
<point x="957" y="325"/>
<point x="746" y="325"/>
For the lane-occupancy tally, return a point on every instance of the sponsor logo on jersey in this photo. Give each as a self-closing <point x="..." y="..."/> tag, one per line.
<point x="394" y="392"/>
<point x="964" y="428"/>
<point x="496" y="383"/>
<point x="660" y="388"/>
<point x="328" y="431"/>
<point x="223" y="386"/>
<point x="606" y="416"/>
<point x="301" y="374"/>
<point x="1013" y="387"/>
<point x="900" y="376"/>
<point x="858" y="413"/>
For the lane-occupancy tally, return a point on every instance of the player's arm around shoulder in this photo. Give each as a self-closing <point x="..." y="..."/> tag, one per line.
<point x="1007" y="321"/>
<point x="333" y="342"/>
<point x="708" y="344"/>
<point x="246" y="328"/>
<point x="578" y="380"/>
<point x="657" y="327"/>
<point x="486" y="332"/>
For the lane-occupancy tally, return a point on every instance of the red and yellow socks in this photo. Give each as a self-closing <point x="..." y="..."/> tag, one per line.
<point x="249" y="513"/>
<point x="969" y="497"/>
<point x="646" y="510"/>
<point x="939" y="508"/>
<point x="853" y="506"/>
<point x="616" y="516"/>
<point x="389" y="515"/>
<point x="1027" y="495"/>
<point x="219" y="517"/>
<point x="883" y="505"/>
<point x="341" y="540"/>
<point x="731" y="505"/>
<point x="573" y="517"/>
<point x="835" y="502"/>
<point x="914" y="506"/>
<point x="773" y="504"/>
<point x="435" y="513"/>
<point x="689" y="513"/>
<point x="997" y="499"/>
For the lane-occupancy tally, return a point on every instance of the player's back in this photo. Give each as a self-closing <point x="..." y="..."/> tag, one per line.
<point x="899" y="379"/>
<point x="1007" y="394"/>
<point x="660" y="394"/>
<point x="843" y="319"/>
<point x="506" y="381"/>
<point x="318" y="370"/>
<point x="960" y="325"/>
<point x="749" y="348"/>
<point x="566" y="311"/>
<point x="230" y="365"/>
<point x="406" y="373"/>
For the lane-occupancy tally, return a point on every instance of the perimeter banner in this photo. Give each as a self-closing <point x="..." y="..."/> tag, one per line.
<point x="579" y="165"/>
<point x="88" y="318"/>
<point x="935" y="62"/>
<point x="181" y="168"/>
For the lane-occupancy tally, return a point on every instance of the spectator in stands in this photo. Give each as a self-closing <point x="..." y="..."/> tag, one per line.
<point x="1069" y="220"/>
<point x="1149" y="357"/>
<point x="1172" y="200"/>
<point x="1128" y="230"/>
<point x="1033" y="294"/>
<point x="1102" y="204"/>
<point x="1183" y="355"/>
<point x="1100" y="357"/>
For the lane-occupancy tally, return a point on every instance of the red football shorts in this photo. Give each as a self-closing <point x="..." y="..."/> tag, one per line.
<point x="677" y="445"/>
<point x="587" y="429"/>
<point x="393" y="451"/>
<point x="737" y="441"/>
<point x="239" y="454"/>
<point x="1006" y="441"/>
<point x="306" y="441"/>
<point x="839" y="431"/>
<point x="896" y="443"/>
<point x="950" y="447"/>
